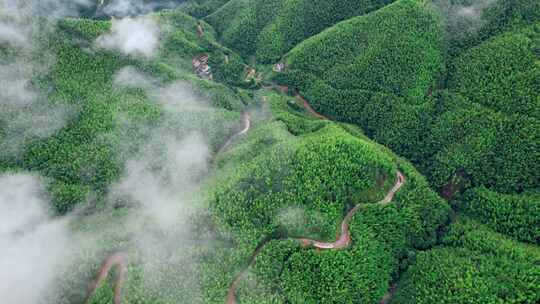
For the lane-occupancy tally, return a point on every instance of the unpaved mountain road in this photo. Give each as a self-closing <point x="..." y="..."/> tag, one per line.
<point x="119" y="260"/>
<point x="245" y="119"/>
<point x="342" y="242"/>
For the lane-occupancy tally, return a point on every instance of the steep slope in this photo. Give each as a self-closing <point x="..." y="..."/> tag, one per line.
<point x="356" y="57"/>
<point x="302" y="188"/>
<point x="479" y="266"/>
<point x="268" y="29"/>
<point x="85" y="155"/>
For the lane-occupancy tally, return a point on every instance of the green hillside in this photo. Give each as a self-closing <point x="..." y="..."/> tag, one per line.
<point x="281" y="151"/>
<point x="269" y="29"/>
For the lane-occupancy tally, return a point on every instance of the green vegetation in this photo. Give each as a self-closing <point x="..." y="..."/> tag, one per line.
<point x="517" y="216"/>
<point x="479" y="266"/>
<point x="282" y="193"/>
<point x="269" y="29"/>
<point x="201" y="8"/>
<point x="445" y="92"/>
<point x="85" y="155"/>
<point x="405" y="59"/>
<point x="393" y="85"/>
<point x="501" y="69"/>
<point x="325" y="173"/>
<point x="485" y="147"/>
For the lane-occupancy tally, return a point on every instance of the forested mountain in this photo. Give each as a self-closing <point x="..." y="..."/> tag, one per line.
<point x="278" y="151"/>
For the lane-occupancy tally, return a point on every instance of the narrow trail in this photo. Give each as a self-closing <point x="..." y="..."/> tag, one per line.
<point x="343" y="240"/>
<point x="308" y="107"/>
<point x="389" y="295"/>
<point x="245" y="119"/>
<point x="119" y="260"/>
<point x="300" y="98"/>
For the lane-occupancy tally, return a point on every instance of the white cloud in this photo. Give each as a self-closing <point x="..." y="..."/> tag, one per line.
<point x="129" y="77"/>
<point x="34" y="246"/>
<point x="173" y="96"/>
<point x="132" y="36"/>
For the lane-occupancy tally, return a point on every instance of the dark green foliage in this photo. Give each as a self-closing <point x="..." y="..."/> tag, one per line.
<point x="380" y="64"/>
<point x="502" y="73"/>
<point x="480" y="266"/>
<point x="449" y="275"/>
<point x="269" y="29"/>
<point x="399" y="124"/>
<point x="440" y="133"/>
<point x="472" y="235"/>
<point x="382" y="236"/>
<point x="201" y="8"/>
<point x="486" y="147"/>
<point x="405" y="59"/>
<point x="517" y="216"/>
<point x="495" y="18"/>
<point x="425" y="212"/>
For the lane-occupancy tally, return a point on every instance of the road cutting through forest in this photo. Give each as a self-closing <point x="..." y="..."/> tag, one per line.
<point x="284" y="89"/>
<point x="343" y="240"/>
<point x="245" y="119"/>
<point x="119" y="260"/>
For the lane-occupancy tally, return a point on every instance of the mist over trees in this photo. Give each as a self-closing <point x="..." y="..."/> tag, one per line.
<point x="278" y="151"/>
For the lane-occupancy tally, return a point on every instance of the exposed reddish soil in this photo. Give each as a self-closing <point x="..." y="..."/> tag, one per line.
<point x="300" y="98"/>
<point x="308" y="107"/>
<point x="343" y="240"/>
<point x="119" y="260"/>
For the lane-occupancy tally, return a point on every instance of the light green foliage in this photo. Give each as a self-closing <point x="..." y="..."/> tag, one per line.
<point x="360" y="274"/>
<point x="325" y="173"/>
<point x="85" y="156"/>
<point x="461" y="106"/>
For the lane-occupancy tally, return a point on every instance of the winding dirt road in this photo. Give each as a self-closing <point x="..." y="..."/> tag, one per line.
<point x="308" y="107"/>
<point x="119" y="260"/>
<point x="245" y="119"/>
<point x="343" y="240"/>
<point x="284" y="89"/>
